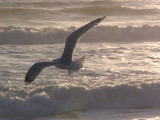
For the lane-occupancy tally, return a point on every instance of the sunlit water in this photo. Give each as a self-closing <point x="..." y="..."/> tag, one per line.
<point x="66" y="13"/>
<point x="117" y="80"/>
<point x="120" y="79"/>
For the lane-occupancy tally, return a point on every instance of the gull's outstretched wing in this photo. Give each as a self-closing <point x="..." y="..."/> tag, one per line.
<point x="73" y="39"/>
<point x="35" y="70"/>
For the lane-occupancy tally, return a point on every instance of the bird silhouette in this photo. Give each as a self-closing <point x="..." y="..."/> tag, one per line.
<point x="65" y="61"/>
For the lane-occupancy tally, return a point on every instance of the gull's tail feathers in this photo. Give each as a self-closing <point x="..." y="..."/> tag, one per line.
<point x="75" y="66"/>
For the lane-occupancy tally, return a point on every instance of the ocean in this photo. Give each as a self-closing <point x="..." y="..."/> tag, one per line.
<point x="120" y="79"/>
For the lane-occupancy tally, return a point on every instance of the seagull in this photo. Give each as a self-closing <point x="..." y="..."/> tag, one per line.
<point x="65" y="61"/>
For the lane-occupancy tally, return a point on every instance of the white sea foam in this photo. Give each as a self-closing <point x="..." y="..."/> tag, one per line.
<point x="115" y="76"/>
<point x="47" y="100"/>
<point x="120" y="77"/>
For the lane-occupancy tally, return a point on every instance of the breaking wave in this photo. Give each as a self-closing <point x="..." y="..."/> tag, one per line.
<point x="50" y="100"/>
<point x="19" y="35"/>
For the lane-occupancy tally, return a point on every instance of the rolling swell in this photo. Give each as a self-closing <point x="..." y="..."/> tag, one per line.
<point x="19" y="35"/>
<point x="49" y="100"/>
<point x="109" y="11"/>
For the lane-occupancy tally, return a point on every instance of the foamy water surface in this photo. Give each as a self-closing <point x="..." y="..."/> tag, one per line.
<point x="115" y="76"/>
<point x="120" y="78"/>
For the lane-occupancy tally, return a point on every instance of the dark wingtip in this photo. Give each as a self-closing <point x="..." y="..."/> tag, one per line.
<point x="27" y="80"/>
<point x="99" y="19"/>
<point x="103" y="17"/>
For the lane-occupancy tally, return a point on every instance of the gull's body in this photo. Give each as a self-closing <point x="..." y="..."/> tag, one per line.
<point x="65" y="61"/>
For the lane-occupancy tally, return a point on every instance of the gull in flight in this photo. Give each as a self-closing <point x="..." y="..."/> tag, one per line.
<point x="65" y="61"/>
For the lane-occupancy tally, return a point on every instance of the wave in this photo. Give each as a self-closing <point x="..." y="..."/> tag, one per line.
<point x="50" y="100"/>
<point x="84" y="7"/>
<point x="43" y="9"/>
<point x="18" y="35"/>
<point x="110" y="11"/>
